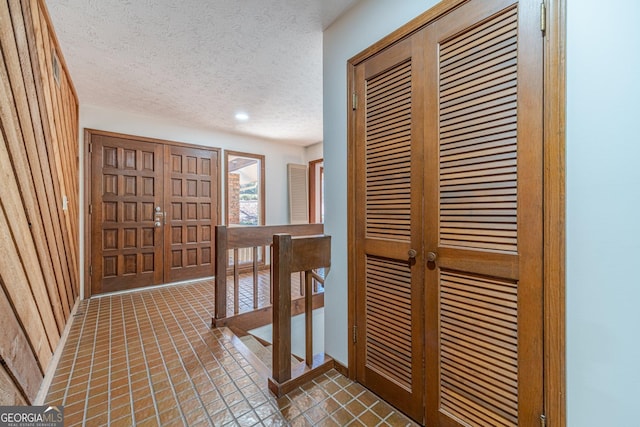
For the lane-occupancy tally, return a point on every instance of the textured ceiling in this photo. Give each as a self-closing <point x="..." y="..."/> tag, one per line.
<point x="198" y="62"/>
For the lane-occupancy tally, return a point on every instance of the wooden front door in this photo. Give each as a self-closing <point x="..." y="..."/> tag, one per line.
<point x="465" y="95"/>
<point x="389" y="262"/>
<point x="152" y="210"/>
<point x="190" y="199"/>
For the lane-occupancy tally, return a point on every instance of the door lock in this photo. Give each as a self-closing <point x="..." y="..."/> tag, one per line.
<point x="158" y="224"/>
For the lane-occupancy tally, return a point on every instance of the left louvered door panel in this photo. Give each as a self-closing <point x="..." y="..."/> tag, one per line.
<point x="389" y="294"/>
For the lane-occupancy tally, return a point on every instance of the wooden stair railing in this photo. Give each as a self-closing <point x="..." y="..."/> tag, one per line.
<point x="289" y="256"/>
<point x="237" y="237"/>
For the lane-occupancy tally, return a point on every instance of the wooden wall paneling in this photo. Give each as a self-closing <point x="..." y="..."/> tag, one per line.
<point x="12" y="273"/>
<point x="41" y="168"/>
<point x="31" y="236"/>
<point x="16" y="351"/>
<point x="36" y="45"/>
<point x="9" y="393"/>
<point x="43" y="83"/>
<point x="26" y="153"/>
<point x="39" y="276"/>
<point x="66" y="169"/>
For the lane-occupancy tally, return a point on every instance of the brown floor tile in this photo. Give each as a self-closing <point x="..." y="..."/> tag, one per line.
<point x="342" y="416"/>
<point x="369" y="418"/>
<point x="248" y="419"/>
<point x="122" y="411"/>
<point x="329" y="405"/>
<point x="382" y="409"/>
<point x="316" y="414"/>
<point x="169" y="415"/>
<point x="125" y="421"/>
<point x="398" y="420"/>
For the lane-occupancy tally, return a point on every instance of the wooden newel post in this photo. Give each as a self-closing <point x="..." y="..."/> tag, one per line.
<point x="282" y="312"/>
<point x="221" y="273"/>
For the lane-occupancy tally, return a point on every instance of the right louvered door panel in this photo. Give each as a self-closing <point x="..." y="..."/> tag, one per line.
<point x="389" y="148"/>
<point x="483" y="216"/>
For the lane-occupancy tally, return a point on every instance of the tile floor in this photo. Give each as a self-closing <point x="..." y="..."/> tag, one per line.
<point x="150" y="358"/>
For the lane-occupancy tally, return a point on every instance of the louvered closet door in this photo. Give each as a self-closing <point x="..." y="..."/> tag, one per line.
<point x="388" y="208"/>
<point x="484" y="359"/>
<point x="127" y="188"/>
<point x="190" y="199"/>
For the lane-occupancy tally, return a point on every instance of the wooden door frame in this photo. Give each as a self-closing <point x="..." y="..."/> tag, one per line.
<point x="554" y="251"/>
<point x="88" y="134"/>
<point x="263" y="196"/>
<point x="313" y="184"/>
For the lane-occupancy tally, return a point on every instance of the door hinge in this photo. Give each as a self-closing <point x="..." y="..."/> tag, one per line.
<point x="543" y="420"/>
<point x="355" y="334"/>
<point x="543" y="18"/>
<point x="90" y="270"/>
<point x="91" y="148"/>
<point x="90" y="209"/>
<point x="354" y="101"/>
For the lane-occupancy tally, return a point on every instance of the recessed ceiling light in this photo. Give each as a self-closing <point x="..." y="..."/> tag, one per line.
<point x="242" y="117"/>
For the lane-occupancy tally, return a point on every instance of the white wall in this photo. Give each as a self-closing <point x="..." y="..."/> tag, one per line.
<point x="314" y="152"/>
<point x="603" y="213"/>
<point x="364" y="24"/>
<point x="276" y="155"/>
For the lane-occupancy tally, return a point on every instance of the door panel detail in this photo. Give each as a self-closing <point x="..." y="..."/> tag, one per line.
<point x="388" y="317"/>
<point x="388" y="154"/>
<point x="478" y="128"/>
<point x="479" y="348"/>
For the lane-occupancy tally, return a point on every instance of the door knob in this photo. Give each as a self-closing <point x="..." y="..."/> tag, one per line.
<point x="431" y="256"/>
<point x="412" y="253"/>
<point x="158" y="224"/>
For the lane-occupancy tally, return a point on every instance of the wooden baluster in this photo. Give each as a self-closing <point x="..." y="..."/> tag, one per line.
<point x="281" y="279"/>
<point x="308" y="317"/>
<point x="236" y="282"/>
<point x="301" y="280"/>
<point x="271" y="274"/>
<point x="255" y="277"/>
<point x="221" y="272"/>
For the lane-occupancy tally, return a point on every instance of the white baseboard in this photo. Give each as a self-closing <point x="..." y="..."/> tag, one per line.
<point x="55" y="359"/>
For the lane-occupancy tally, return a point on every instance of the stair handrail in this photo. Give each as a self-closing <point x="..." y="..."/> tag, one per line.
<point x="237" y="237"/>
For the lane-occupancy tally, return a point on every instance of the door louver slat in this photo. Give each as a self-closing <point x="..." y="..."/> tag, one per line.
<point x="388" y="154"/>
<point x="388" y="319"/>
<point x="478" y="149"/>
